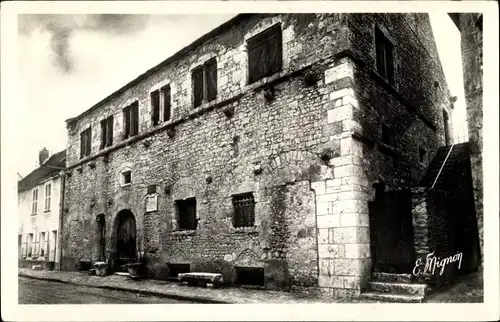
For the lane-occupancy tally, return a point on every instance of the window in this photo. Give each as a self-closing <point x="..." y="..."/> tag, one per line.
<point x="265" y="54"/>
<point x="385" y="59"/>
<point x="387" y="135"/>
<point x="126" y="177"/>
<point x="244" y="210"/>
<point x="186" y="214"/>
<point x="131" y="120"/>
<point x="34" y="204"/>
<point x="85" y="143"/>
<point x="42" y="244"/>
<point x="29" y="249"/>
<point x="422" y="153"/>
<point x="151" y="189"/>
<point x="107" y="132"/>
<point x="204" y="80"/>
<point x="48" y="188"/>
<point x="161" y="101"/>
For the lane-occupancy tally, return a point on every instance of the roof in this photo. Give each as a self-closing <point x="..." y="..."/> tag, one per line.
<point x="43" y="172"/>
<point x="231" y="22"/>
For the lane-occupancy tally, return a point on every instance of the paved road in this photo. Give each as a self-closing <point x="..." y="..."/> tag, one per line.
<point x="32" y="291"/>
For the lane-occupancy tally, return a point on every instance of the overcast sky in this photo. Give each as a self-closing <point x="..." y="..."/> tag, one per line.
<point x="67" y="63"/>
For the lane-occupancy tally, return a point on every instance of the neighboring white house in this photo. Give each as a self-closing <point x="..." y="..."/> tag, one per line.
<point x="39" y="204"/>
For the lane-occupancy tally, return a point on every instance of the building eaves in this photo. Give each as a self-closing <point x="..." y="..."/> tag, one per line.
<point x="49" y="169"/>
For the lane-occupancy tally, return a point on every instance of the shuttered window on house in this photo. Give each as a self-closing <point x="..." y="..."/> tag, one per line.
<point x="131" y="120"/>
<point x="166" y="103"/>
<point x="155" y="106"/>
<point x="211" y="78"/>
<point x="265" y="54"/>
<point x="244" y="210"/>
<point x="385" y="56"/>
<point x="205" y="82"/>
<point x="34" y="204"/>
<point x="85" y="143"/>
<point x="106" y="132"/>
<point x="197" y="77"/>
<point x="48" y="193"/>
<point x="134" y="119"/>
<point x="109" y="131"/>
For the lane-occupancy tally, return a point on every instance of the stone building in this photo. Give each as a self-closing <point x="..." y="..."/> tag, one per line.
<point x="39" y="204"/>
<point x="470" y="26"/>
<point x="257" y="149"/>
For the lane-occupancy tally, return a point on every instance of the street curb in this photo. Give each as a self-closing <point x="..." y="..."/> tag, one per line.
<point x="203" y="300"/>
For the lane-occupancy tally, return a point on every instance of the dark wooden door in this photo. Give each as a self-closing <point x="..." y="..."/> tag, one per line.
<point x="126" y="238"/>
<point x="391" y="233"/>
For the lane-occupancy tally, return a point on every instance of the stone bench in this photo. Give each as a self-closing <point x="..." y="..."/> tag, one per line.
<point x="199" y="278"/>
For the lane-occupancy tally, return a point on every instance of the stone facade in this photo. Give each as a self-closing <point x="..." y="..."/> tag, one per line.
<point x="471" y="30"/>
<point x="309" y="155"/>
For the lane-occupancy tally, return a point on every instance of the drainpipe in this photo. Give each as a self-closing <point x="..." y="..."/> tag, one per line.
<point x="61" y="213"/>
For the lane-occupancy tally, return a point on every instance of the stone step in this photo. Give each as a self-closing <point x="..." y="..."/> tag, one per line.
<point x="398" y="288"/>
<point x="391" y="277"/>
<point x="392" y="297"/>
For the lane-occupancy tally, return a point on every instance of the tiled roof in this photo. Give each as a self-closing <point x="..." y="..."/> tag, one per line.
<point x="43" y="172"/>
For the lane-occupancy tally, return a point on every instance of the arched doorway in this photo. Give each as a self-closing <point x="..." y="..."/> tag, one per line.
<point x="125" y="237"/>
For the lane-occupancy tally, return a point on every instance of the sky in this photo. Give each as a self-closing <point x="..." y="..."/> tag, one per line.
<point x="67" y="63"/>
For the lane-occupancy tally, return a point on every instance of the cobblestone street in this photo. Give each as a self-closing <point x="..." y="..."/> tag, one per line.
<point x="32" y="291"/>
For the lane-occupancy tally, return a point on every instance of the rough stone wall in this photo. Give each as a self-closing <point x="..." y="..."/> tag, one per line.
<point x="472" y="62"/>
<point x="285" y="138"/>
<point x="412" y="106"/>
<point x="307" y="135"/>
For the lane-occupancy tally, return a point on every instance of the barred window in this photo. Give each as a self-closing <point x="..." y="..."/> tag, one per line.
<point x="244" y="210"/>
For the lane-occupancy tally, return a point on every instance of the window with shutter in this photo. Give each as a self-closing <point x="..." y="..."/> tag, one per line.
<point x="211" y="79"/>
<point x="166" y="103"/>
<point x="104" y="134"/>
<point x="155" y="105"/>
<point x="134" y="119"/>
<point x="197" y="77"/>
<point x="265" y="53"/>
<point x="109" y="131"/>
<point x="48" y="191"/>
<point x="126" y="122"/>
<point x="89" y="142"/>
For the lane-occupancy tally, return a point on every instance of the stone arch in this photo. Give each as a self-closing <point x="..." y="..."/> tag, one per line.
<point x="123" y="241"/>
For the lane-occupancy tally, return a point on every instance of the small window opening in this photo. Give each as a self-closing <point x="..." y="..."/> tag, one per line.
<point x="127" y="177"/>
<point x="249" y="276"/>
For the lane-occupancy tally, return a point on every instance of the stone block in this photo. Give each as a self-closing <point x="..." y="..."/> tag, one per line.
<point x="357" y="250"/>
<point x="338" y="72"/>
<point x="350" y="146"/>
<point x="349" y="206"/>
<point x="330" y="281"/>
<point x="352" y="267"/>
<point x="319" y="187"/>
<point x="341" y="93"/>
<point x="330" y="251"/>
<point x="354" y="220"/>
<point x="323" y="236"/>
<point x="348" y="171"/>
<point x="351" y="235"/>
<point x="328" y="221"/>
<point x="341" y="113"/>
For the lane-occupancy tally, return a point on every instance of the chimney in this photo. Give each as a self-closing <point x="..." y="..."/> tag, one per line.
<point x="43" y="155"/>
